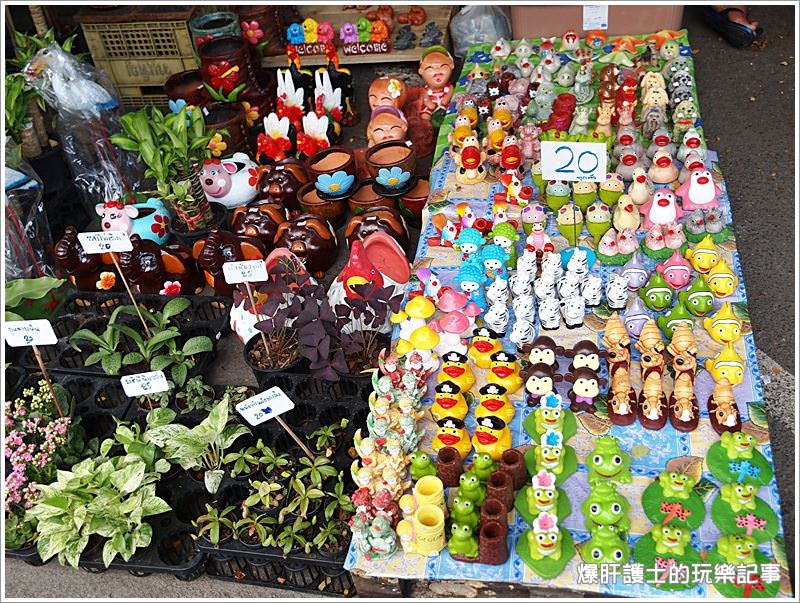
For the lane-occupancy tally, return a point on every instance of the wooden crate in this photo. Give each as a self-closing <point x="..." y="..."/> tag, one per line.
<point x="337" y="16"/>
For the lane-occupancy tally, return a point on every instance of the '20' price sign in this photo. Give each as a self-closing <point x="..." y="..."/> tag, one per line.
<point x="574" y="160"/>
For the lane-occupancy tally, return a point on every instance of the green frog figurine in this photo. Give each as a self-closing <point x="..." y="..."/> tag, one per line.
<point x="737" y="549"/>
<point x="471" y="488"/>
<point x="738" y="445"/>
<point x="676" y="485"/>
<point x="606" y="507"/>
<point x="608" y="462"/>
<point x="544" y="540"/>
<point x="421" y="465"/>
<point x="671" y="539"/>
<point x="483" y="465"/>
<point x="542" y="496"/>
<point x="464" y="512"/>
<point x="739" y="496"/>
<point x="605" y="546"/>
<point x="462" y="540"/>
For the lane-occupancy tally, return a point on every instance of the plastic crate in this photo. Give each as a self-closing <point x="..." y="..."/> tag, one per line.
<point x="136" y="97"/>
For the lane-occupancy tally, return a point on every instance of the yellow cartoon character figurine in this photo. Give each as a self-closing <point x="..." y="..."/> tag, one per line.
<point x="724" y="327"/>
<point x="485" y="342"/>
<point x="727" y="365"/>
<point x="494" y="402"/>
<point x="451" y="432"/>
<point x="703" y="256"/>
<point x="504" y="371"/>
<point x="455" y="369"/>
<point x="448" y="401"/>
<point x="492" y="436"/>
<point x="721" y="279"/>
<point x="310" y="30"/>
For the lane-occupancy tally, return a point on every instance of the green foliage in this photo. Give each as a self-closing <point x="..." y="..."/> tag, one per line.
<point x="17" y="97"/>
<point x="291" y="537"/>
<point x="340" y="503"/>
<point x="271" y="460"/>
<point x="332" y="533"/>
<point x="180" y="360"/>
<point x="27" y="46"/>
<point x="159" y="321"/>
<point x="147" y="348"/>
<point x="327" y="434"/>
<point x="146" y="443"/>
<point x="256" y="527"/>
<point x="106" y="343"/>
<point x="197" y="395"/>
<point x="315" y="470"/>
<point x="301" y="500"/>
<point x="264" y="493"/>
<point x="212" y="523"/>
<point x="244" y="460"/>
<point x="19" y="531"/>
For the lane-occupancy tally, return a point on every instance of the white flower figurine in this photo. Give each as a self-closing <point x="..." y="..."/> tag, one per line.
<point x="316" y="127"/>
<point x="292" y="97"/>
<point x="276" y="128"/>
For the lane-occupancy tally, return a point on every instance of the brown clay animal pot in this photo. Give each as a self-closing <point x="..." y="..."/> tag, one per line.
<point x="280" y="184"/>
<point x="493" y="509"/>
<point x="260" y="221"/>
<point x="333" y="172"/>
<point x="164" y="269"/>
<point x="85" y="271"/>
<point x="221" y="246"/>
<point x="311" y="238"/>
<point x="312" y="203"/>
<point x="380" y="218"/>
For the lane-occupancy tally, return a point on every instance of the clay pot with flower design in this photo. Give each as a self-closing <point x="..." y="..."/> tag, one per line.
<point x="206" y="27"/>
<point x="392" y="165"/>
<point x="333" y="172"/>
<point x="229" y="117"/>
<point x="413" y="202"/>
<point x="312" y="202"/>
<point x="255" y="18"/>
<point x="186" y="86"/>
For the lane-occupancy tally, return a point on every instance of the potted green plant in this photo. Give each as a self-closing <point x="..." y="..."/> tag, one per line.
<point x="294" y="537"/>
<point x="265" y="497"/>
<point x="340" y="506"/>
<point x="19" y="125"/>
<point x="305" y="502"/>
<point x="244" y="462"/>
<point x="332" y="538"/>
<point x="196" y="395"/>
<point x="275" y="466"/>
<point x="106" y="343"/>
<point x="317" y="470"/>
<point x="254" y="530"/>
<point x="216" y="525"/>
<point x="327" y="438"/>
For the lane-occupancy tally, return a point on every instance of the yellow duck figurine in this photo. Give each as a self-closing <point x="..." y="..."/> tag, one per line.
<point x="448" y="401"/>
<point x="504" y="371"/>
<point x="463" y="128"/>
<point x="721" y="279"/>
<point x="494" y="402"/>
<point x="455" y="369"/>
<point x="468" y="108"/>
<point x="451" y="432"/>
<point x="492" y="436"/>
<point x="502" y="114"/>
<point x="703" y="256"/>
<point x="485" y="342"/>
<point x="724" y="326"/>
<point x="727" y="365"/>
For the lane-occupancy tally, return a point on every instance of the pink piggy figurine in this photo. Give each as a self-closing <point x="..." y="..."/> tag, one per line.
<point x="676" y="270"/>
<point x="529" y="142"/>
<point x="150" y="220"/>
<point x="232" y="182"/>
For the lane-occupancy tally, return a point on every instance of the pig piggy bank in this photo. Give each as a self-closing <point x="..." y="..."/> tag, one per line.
<point x="231" y="182"/>
<point x="150" y="220"/>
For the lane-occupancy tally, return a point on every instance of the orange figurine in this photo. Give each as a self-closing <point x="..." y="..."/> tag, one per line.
<point x="379" y="31"/>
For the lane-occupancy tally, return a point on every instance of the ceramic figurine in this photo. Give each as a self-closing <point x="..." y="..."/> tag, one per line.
<point x="545" y="539"/>
<point x="537" y="240"/>
<point x="504" y="370"/>
<point x="626" y="214"/>
<point x="592" y="290"/>
<point x="608" y="463"/>
<point x="550" y="313"/>
<point x="604" y="546"/>
<point x="704" y="255"/>
<point x="635" y="271"/>
<point x="494" y="401"/>
<point x="569" y="284"/>
<point x="485" y="343"/>
<point x="573" y="310"/>
<point x="724" y="327"/>
<point x="435" y="68"/>
<point x="641" y="188"/>
<point x="698" y="298"/>
<point x="148" y="220"/>
<point x="661" y="141"/>
<point x="492" y="436"/>
<point x="462" y="542"/>
<point x="523" y="304"/>
<point x="670" y="539"/>
<point x="497" y="317"/>
<point x="471" y="488"/>
<point x="584" y="92"/>
<point x="737" y="549"/>
<point x="448" y="401"/>
<point x="676" y="270"/>
<point x="617" y="291"/>
<point x="661" y="209"/>
<point x="470" y="160"/>
<point x="584" y="193"/>
<point x="530" y="145"/>
<point x="421" y="465"/>
<point x="683" y="409"/>
<point x="505" y="235"/>
<point x="451" y="432"/>
<point x="727" y="364"/>
<point x="621" y="404"/>
<point x="551" y="266"/>
<point x="611" y="188"/>
<point x="471" y="280"/>
<point x="545" y="350"/>
<point x="699" y="191"/>
<point x="160" y="269"/>
<point x="692" y="142"/>
<point x="631" y="159"/>
<point x="483" y="465"/>
<point x="604" y="506"/>
<point x="542" y="496"/>
<point x="657" y="294"/>
<point x="684" y="116"/>
<point x="557" y="194"/>
<point x="549" y="453"/>
<point x="312" y="239"/>
<point x="549" y="414"/>
<point x="456" y="370"/>
<point x="676" y="315"/>
<point x="493" y="259"/>
<point x="598" y="219"/>
<point x="497" y="292"/>
<point x="585" y="388"/>
<point x="663" y="170"/>
<point x="721" y="280"/>
<point x="635" y="317"/>
<point x="722" y="409"/>
<point x="222" y="246"/>
<point x="539" y="382"/>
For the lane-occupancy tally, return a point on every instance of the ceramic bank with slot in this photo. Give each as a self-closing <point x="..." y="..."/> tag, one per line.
<point x="265" y="406"/>
<point x="110" y="241"/>
<point x="249" y="271"/>
<point x="144" y="384"/>
<point x="30" y="332"/>
<point x="574" y="160"/>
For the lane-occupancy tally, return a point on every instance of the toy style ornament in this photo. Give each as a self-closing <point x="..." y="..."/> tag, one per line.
<point x="604" y="506"/>
<point x="493" y="401"/>
<point x="721" y="280"/>
<point x="724" y="327"/>
<point x="448" y="401"/>
<point x="504" y="370"/>
<point x="435" y="68"/>
<point x="678" y="314"/>
<point x="704" y="255"/>
<point x="492" y="437"/>
<point x="722" y="409"/>
<point x="699" y="191"/>
<point x="485" y="343"/>
<point x="420" y="465"/>
<point x="451" y="432"/>
<point x="608" y="462"/>
<point x="148" y="220"/>
<point x="684" y="411"/>
<point x="727" y="364"/>
<point x="540" y="381"/>
<point x="585" y="389"/>
<point x="657" y="293"/>
<point x="546" y="548"/>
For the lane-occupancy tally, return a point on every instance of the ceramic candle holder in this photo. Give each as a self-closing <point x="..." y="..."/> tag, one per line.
<point x="366" y="197"/>
<point x="333" y="172"/>
<point x="492" y="543"/>
<point x="429" y="490"/>
<point x="213" y="25"/>
<point x="428" y="530"/>
<point x="186" y="85"/>
<point x="499" y="486"/>
<point x="413" y="202"/>
<point x="392" y="164"/>
<point x="493" y="509"/>
<point x="312" y="202"/>
<point x="513" y="463"/>
<point x="449" y="466"/>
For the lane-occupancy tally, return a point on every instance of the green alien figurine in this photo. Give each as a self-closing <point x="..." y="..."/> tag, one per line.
<point x="462" y="541"/>
<point x="608" y="462"/>
<point x="676" y="485"/>
<point x="421" y="465"/>
<point x="656" y="293"/>
<point x="464" y="512"/>
<point x="675" y="316"/>
<point x="670" y="539"/>
<point x="471" y="488"/>
<point x="544" y="540"/>
<point x="505" y="235"/>
<point x="543" y="494"/>
<point x="606" y="507"/>
<point x="739" y="496"/>
<point x="697" y="299"/>
<point x="605" y="546"/>
<point x="737" y="549"/>
<point x="483" y="466"/>
<point x="738" y="445"/>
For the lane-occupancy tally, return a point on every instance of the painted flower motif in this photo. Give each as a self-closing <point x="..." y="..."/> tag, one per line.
<point x="392" y="178"/>
<point x="253" y="179"/>
<point x="176" y="106"/>
<point x="171" y="288"/>
<point x="276" y="127"/>
<point x="159" y="225"/>
<point x="252" y="31"/>
<point x="250" y="114"/>
<point x="336" y="183"/>
<point x="394" y="88"/>
<point x="217" y="145"/>
<point x="107" y="281"/>
<point x="223" y="76"/>
<point x="202" y="40"/>
<point x="274" y="148"/>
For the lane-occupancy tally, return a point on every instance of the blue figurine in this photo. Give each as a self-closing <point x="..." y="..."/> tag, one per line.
<point x="494" y="258"/>
<point x="469" y="241"/>
<point x="295" y="34"/>
<point x="471" y="280"/>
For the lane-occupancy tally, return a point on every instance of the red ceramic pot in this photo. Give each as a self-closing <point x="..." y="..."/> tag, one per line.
<point x="366" y="197"/>
<point x="230" y="117"/>
<point x="413" y="202"/>
<point x="392" y="164"/>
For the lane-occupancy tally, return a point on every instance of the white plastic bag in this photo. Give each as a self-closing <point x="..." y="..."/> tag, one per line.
<point x="478" y="25"/>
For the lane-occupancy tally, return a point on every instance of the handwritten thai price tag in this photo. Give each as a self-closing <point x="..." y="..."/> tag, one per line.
<point x="105" y="242"/>
<point x="574" y="160"/>
<point x="265" y="406"/>
<point x="21" y="333"/>
<point x="144" y="384"/>
<point x="249" y="271"/>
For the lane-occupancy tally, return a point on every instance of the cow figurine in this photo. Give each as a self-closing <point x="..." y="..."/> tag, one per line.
<point x="150" y="220"/>
<point x="232" y="182"/>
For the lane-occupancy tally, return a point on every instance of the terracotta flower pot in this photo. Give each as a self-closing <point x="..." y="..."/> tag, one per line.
<point x="312" y="203"/>
<point x="494" y="510"/>
<point x="230" y="117"/>
<point x="392" y="164"/>
<point x="333" y="172"/>
<point x="186" y="85"/>
<point x="365" y="197"/>
<point x="499" y="486"/>
<point x="493" y="543"/>
<point x="513" y="463"/>
<point x="449" y="466"/>
<point x="413" y="202"/>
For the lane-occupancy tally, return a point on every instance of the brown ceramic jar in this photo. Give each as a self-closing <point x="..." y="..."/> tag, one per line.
<point x="513" y="463"/>
<point x="264" y="18"/>
<point x="311" y="203"/>
<point x="413" y="202"/>
<point x="230" y="117"/>
<point x="186" y="85"/>
<point x="377" y="219"/>
<point x="499" y="486"/>
<point x="339" y="164"/>
<point x="365" y="197"/>
<point x="494" y="510"/>
<point x="392" y="164"/>
<point x="493" y="543"/>
<point x="449" y="466"/>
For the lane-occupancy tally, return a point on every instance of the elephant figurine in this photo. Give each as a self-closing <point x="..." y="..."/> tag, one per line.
<point x="375" y="219"/>
<point x="259" y="221"/>
<point x="311" y="238"/>
<point x="280" y="183"/>
<point x="221" y="246"/>
<point x="149" y="220"/>
<point x="167" y="269"/>
<point x="88" y="272"/>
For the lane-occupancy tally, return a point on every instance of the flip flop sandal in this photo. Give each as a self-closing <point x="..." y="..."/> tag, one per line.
<point x="736" y="34"/>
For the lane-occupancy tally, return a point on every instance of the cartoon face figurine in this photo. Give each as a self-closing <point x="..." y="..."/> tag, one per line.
<point x="504" y="370"/>
<point x="727" y="364"/>
<point x="539" y="382"/>
<point x="656" y="294"/>
<point x="737" y="549"/>
<point x="295" y="34"/>
<point x="483" y="465"/>
<point x="606" y="507"/>
<point x="494" y="402"/>
<point x="675" y="316"/>
<point x="421" y="465"/>
<point x="471" y="488"/>
<point x="676" y="270"/>
<point x="544" y="540"/>
<point x="462" y="540"/>
<point x="455" y="369"/>
<point x="721" y="280"/>
<point x="585" y="354"/>
<point x="435" y="69"/>
<point x="608" y="462"/>
<point x="542" y="496"/>
<point x="703" y="256"/>
<point x="635" y="317"/>
<point x="451" y="432"/>
<point x="738" y="445"/>
<point x="698" y="298"/>
<point x="494" y="258"/>
<point x="549" y="454"/>
<point x="471" y="280"/>
<point x="661" y="209"/>
<point x="544" y="349"/>
<point x="549" y="414"/>
<point x="448" y="401"/>
<point x="670" y="539"/>
<point x="605" y="546"/>
<point x="386" y="123"/>
<point x="464" y="512"/>
<point x="492" y="436"/>
<point x="724" y="326"/>
<point x="675" y="484"/>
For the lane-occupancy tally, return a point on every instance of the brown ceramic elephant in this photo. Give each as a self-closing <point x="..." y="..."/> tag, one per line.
<point x="221" y="246"/>
<point x="165" y="269"/>
<point x="95" y="272"/>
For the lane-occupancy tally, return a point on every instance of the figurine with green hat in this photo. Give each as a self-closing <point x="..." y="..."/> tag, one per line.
<point x="505" y="235"/>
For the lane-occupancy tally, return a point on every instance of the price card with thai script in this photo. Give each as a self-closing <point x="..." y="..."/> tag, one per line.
<point x="265" y="406"/>
<point x="248" y="271"/>
<point x="144" y="384"/>
<point x="105" y="242"/>
<point x="574" y="160"/>
<point x="21" y="333"/>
